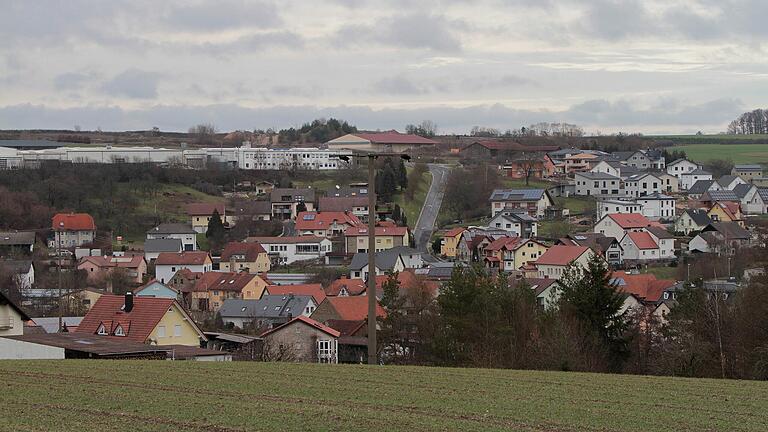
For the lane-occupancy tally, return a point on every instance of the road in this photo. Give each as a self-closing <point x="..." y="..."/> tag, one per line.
<point x="428" y="216"/>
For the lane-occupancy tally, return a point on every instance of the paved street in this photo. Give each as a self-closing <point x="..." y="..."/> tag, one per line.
<point x="426" y="223"/>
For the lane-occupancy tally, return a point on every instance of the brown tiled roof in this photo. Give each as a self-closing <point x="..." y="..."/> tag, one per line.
<point x="310" y="221"/>
<point x="361" y="230"/>
<point x="137" y="324"/>
<point x="204" y="209"/>
<point x="111" y="261"/>
<point x="250" y="250"/>
<point x="182" y="258"/>
<point x="561" y="255"/>
<point x="353" y="286"/>
<point x="307" y="321"/>
<point x="353" y="307"/>
<point x="223" y="281"/>
<point x="73" y="222"/>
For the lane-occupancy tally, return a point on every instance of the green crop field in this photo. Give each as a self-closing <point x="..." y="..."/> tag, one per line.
<point x="90" y="395"/>
<point x="738" y="153"/>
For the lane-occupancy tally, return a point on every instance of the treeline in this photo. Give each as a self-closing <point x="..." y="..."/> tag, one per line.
<point x="467" y="191"/>
<point x="480" y="320"/>
<point x="750" y="123"/>
<point x="317" y="131"/>
<point x="391" y="175"/>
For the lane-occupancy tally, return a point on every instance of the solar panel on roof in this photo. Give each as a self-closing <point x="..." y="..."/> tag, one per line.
<point x="309" y="217"/>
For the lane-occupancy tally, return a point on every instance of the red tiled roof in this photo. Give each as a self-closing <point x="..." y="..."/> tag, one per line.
<point x="285" y="240"/>
<point x="361" y="230"/>
<point x="112" y="261"/>
<point x="645" y="286"/>
<point x="347" y="327"/>
<point x="643" y="240"/>
<point x="353" y="286"/>
<point x="503" y="242"/>
<point x="353" y="307"/>
<point x="561" y="255"/>
<point x="630" y="220"/>
<point x="310" y="221"/>
<point x="308" y="321"/>
<point x="250" y="250"/>
<point x="73" y="222"/>
<point x="394" y="137"/>
<point x="314" y="290"/>
<point x="223" y="281"/>
<point x="205" y="209"/>
<point x="138" y="323"/>
<point x="453" y="232"/>
<point x="181" y="258"/>
<point x="407" y="280"/>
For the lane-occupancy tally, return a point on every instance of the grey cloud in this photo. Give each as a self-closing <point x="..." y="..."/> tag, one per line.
<point x="398" y="85"/>
<point x="667" y="112"/>
<point x="402" y="85"/>
<point x="71" y="81"/>
<point x="222" y="15"/>
<point x="412" y="31"/>
<point x="134" y="84"/>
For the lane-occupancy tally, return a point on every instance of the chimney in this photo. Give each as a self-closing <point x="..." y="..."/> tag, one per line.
<point x="232" y="267"/>
<point x="128" y="302"/>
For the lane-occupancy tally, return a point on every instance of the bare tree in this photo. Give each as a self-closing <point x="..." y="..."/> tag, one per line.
<point x="273" y="351"/>
<point x="203" y="134"/>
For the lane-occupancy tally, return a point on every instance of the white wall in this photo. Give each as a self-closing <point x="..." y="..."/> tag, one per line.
<point x="11" y="349"/>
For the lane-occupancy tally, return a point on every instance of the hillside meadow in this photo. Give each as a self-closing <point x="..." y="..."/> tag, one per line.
<point x="89" y="395"/>
<point x="738" y="153"/>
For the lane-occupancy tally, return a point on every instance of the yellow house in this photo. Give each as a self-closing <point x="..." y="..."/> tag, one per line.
<point x="512" y="253"/>
<point x="386" y="238"/>
<point x="528" y="251"/>
<point x="151" y="320"/>
<point x="248" y="257"/>
<point x="200" y="214"/>
<point x="213" y="288"/>
<point x="450" y="242"/>
<point x="84" y="299"/>
<point x="11" y="317"/>
<point x="726" y="211"/>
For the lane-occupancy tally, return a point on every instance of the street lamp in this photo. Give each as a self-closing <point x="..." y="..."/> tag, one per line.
<point x="371" y="291"/>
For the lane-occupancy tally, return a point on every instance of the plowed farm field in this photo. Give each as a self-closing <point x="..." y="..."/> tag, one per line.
<point x="73" y="395"/>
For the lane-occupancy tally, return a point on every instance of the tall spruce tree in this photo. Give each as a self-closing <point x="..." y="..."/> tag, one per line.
<point x="215" y="232"/>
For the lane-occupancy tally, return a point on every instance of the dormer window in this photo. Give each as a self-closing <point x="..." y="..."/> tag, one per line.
<point x="119" y="331"/>
<point x="102" y="330"/>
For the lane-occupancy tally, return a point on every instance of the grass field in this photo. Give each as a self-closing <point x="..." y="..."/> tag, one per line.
<point x="738" y="153"/>
<point x="412" y="208"/>
<point x="89" y="395"/>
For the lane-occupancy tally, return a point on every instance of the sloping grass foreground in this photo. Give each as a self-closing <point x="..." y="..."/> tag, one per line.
<point x="170" y="396"/>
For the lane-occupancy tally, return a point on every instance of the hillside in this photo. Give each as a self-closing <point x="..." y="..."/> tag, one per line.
<point x="142" y="396"/>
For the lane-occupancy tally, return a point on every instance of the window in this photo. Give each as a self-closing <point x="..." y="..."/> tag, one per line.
<point x="161" y="331"/>
<point x="102" y="330"/>
<point x="119" y="331"/>
<point x="177" y="330"/>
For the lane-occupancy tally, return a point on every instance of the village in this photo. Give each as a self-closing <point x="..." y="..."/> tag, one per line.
<point x="188" y="292"/>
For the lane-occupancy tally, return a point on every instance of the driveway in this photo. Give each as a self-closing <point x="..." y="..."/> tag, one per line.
<point x="428" y="216"/>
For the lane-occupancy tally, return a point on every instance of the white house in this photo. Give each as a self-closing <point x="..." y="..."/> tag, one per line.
<point x="669" y="183"/>
<point x="521" y="224"/>
<point x="616" y="225"/>
<point x="688" y="179"/>
<point x="606" y="206"/>
<point x="183" y="232"/>
<point x="387" y="262"/>
<point x="642" y="184"/>
<point x="154" y="247"/>
<point x="552" y="264"/>
<point x="753" y="199"/>
<point x="12" y="317"/>
<point x="692" y="220"/>
<point x="654" y="244"/>
<point x="608" y="167"/>
<point x="167" y="264"/>
<point x="681" y="166"/>
<point x="23" y="272"/>
<point x="729" y="182"/>
<point x="597" y="184"/>
<point x="533" y="201"/>
<point x="288" y="250"/>
<point x="657" y="206"/>
<point x="635" y="159"/>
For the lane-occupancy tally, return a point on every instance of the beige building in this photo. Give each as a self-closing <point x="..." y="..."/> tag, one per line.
<point x="390" y="141"/>
<point x="386" y="238"/>
<point x="11" y="317"/>
<point x="248" y="257"/>
<point x="72" y="230"/>
<point x="552" y="264"/>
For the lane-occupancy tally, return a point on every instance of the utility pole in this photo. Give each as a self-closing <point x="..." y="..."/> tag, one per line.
<point x="57" y="237"/>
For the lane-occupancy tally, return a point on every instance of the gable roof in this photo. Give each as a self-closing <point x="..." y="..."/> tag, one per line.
<point x="598" y="242"/>
<point x="677" y="161"/>
<point x="700" y="217"/>
<point x="644" y="286"/>
<point x="700" y="187"/>
<point x="5" y="300"/>
<point x="730" y="230"/>
<point x="14" y="238"/>
<point x="341" y="204"/>
<point x="561" y="255"/>
<point x="697" y="171"/>
<point x="73" y="222"/>
<point x="163" y="245"/>
<point x="346" y="327"/>
<point x="287" y="240"/>
<point x="310" y="220"/>
<point x="353" y="308"/>
<point x="295" y="194"/>
<point x="182" y="258"/>
<point x="517" y="194"/>
<point x="251" y="251"/>
<point x="362" y="230"/>
<point x="659" y="232"/>
<point x="205" y="209"/>
<point x="172" y="228"/>
<point x="453" y="232"/>
<point x="393" y="137"/>
<point x="385" y="260"/>
<point x="748" y="167"/>
<point x="223" y="281"/>
<point x="301" y="319"/>
<point x="596" y="175"/>
<point x="726" y="180"/>
<point x="315" y="290"/>
<point x="114" y="261"/>
<point x="720" y="195"/>
<point x="630" y="220"/>
<point x="642" y="240"/>
<point x="268" y="306"/>
<point x="741" y="190"/>
<point x="137" y="324"/>
<point x="352" y="286"/>
<point x="152" y="283"/>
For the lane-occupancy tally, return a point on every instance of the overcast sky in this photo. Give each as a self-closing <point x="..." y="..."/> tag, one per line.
<point x="671" y="66"/>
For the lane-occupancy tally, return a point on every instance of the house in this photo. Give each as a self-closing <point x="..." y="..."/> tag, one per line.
<point x="347" y="308"/>
<point x="701" y="187"/>
<point x="636" y="159"/>
<point x="669" y="183"/>
<point x="679" y="167"/>
<point x="618" y="206"/>
<point x="729" y="182"/>
<point x="657" y="206"/>
<point x="267" y="312"/>
<point x="167" y="264"/>
<point x="325" y="224"/>
<point x="99" y="267"/>
<point x="579" y="162"/>
<point x="753" y="200"/>
<point x="688" y="179"/>
<point x="248" y="257"/>
<point x="12" y="317"/>
<point x="263" y="187"/>
<point x="710" y="197"/>
<point x="210" y="290"/>
<point x="611" y="167"/>
<point x="616" y="225"/>
<point x="301" y="339"/>
<point x="200" y="215"/>
<point x="315" y="290"/>
<point x="642" y="184"/>
<point x="747" y="171"/>
<point x="692" y="220"/>
<point x="726" y="211"/>
<point x="720" y="237"/>
<point x="154" y="247"/>
<point x="183" y="232"/>
<point x="450" y="242"/>
<point x="653" y="244"/>
<point x="598" y="184"/>
<point x="14" y="243"/>
<point x="357" y="205"/>
<point x="72" y="230"/>
<point x="644" y="286"/>
<point x="510" y="253"/>
<point x="23" y="272"/>
<point x="534" y="201"/>
<point x="286" y="203"/>
<point x="540" y="167"/>
<point x="288" y="250"/>
<point x="515" y="222"/>
<point x="656" y="159"/>
<point x="387" y="261"/>
<point x="552" y="264"/>
<point x="607" y="247"/>
<point x="154" y="288"/>
<point x="356" y="238"/>
<point x="150" y="320"/>
<point x="84" y="299"/>
<point x="389" y="141"/>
